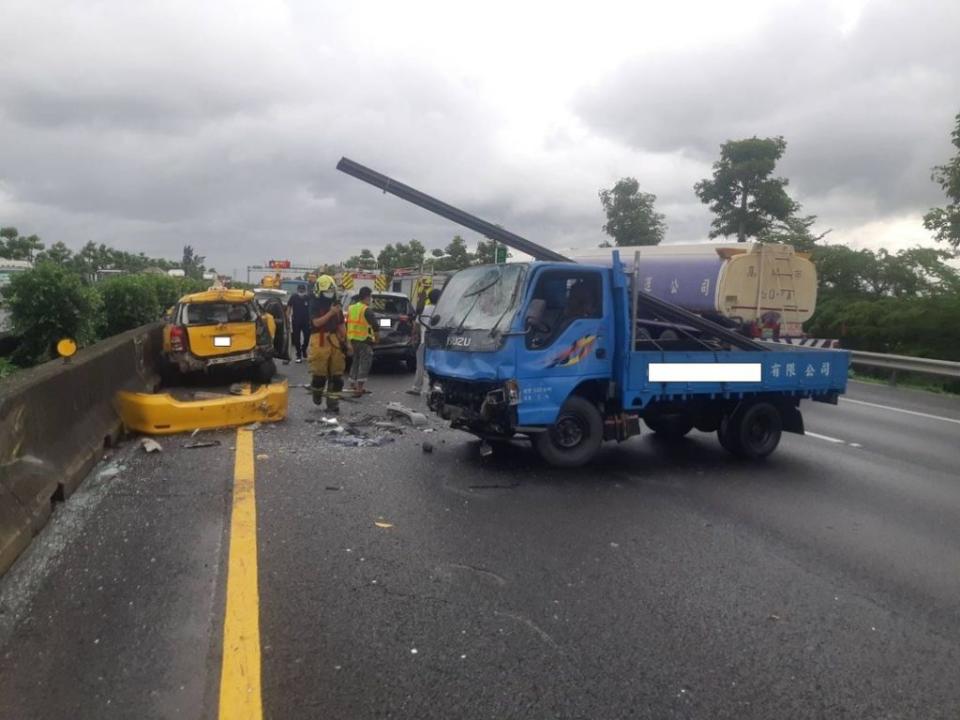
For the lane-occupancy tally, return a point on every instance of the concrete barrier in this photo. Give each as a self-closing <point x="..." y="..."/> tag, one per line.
<point x="55" y="420"/>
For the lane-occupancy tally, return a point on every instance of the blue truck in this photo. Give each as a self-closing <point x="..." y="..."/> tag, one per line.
<point x="572" y="355"/>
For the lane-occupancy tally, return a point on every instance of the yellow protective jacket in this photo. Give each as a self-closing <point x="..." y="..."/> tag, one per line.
<point x="358" y="329"/>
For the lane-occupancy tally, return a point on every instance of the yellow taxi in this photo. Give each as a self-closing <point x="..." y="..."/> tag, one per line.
<point x="226" y="328"/>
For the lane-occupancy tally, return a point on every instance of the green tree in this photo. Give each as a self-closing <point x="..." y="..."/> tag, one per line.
<point x="945" y="222"/>
<point x="129" y="301"/>
<point x="631" y="217"/>
<point x="364" y="261"/>
<point x="742" y="194"/>
<point x="796" y="230"/>
<point x="455" y="256"/>
<point x="840" y="270"/>
<point x="486" y="253"/>
<point x="58" y="253"/>
<point x="48" y="303"/>
<point x="402" y="255"/>
<point x="192" y="263"/>
<point x="14" y="246"/>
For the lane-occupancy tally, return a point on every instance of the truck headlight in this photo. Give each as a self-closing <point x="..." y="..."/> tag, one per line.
<point x="512" y="389"/>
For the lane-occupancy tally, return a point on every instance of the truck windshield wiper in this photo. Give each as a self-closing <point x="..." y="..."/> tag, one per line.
<point x="476" y="298"/>
<point x="509" y="307"/>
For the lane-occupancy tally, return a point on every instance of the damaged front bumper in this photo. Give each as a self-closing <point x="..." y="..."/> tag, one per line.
<point x="163" y="414"/>
<point x="485" y="409"/>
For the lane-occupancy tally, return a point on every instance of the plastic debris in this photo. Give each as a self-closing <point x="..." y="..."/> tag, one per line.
<point x="202" y="444"/>
<point x="237" y="389"/>
<point x="382" y="524"/>
<point x="263" y="457"/>
<point x="417" y="419"/>
<point x="485" y="449"/>
<point x="251" y="426"/>
<point x="109" y="472"/>
<point x="151" y="446"/>
<point x="194" y="433"/>
<point x="357" y="441"/>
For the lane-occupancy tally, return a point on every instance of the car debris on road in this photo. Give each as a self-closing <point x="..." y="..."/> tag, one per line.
<point x="150" y="446"/>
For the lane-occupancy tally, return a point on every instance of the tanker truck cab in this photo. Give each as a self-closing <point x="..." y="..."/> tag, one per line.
<point x="550" y="350"/>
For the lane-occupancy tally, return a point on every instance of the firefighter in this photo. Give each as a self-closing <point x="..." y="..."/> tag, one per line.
<point x="327" y="344"/>
<point x="362" y="335"/>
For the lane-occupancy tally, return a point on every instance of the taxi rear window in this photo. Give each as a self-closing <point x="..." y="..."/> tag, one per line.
<point x="390" y="305"/>
<point x="215" y="313"/>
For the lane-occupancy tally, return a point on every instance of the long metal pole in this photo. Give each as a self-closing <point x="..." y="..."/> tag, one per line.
<point x="487" y="229"/>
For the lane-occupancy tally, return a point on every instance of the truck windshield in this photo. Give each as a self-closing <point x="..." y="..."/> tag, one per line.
<point x="476" y="298"/>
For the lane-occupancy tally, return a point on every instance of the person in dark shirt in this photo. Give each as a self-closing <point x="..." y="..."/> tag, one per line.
<point x="327" y="344"/>
<point x="299" y="308"/>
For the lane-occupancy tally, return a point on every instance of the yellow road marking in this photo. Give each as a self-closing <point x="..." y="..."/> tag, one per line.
<point x="240" y="671"/>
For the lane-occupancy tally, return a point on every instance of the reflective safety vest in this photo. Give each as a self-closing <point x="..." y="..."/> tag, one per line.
<point x="357" y="326"/>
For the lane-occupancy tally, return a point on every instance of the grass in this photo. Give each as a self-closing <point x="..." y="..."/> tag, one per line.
<point x="908" y="380"/>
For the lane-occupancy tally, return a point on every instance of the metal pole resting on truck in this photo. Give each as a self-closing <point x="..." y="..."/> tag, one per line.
<point x="674" y="313"/>
<point x="448" y="211"/>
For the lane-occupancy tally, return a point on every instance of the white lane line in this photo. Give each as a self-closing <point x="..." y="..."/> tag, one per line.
<point x="901" y="410"/>
<point x="818" y="436"/>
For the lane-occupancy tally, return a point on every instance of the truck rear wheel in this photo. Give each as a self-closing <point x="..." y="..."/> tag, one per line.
<point x="753" y="431"/>
<point x="575" y="437"/>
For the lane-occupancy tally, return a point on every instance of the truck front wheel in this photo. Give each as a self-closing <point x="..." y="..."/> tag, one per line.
<point x="752" y="431"/>
<point x="575" y="437"/>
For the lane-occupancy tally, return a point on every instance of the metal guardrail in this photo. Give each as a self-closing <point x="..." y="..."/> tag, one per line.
<point x="895" y="363"/>
<point x="906" y="363"/>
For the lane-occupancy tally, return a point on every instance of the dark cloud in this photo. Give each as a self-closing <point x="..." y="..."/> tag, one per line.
<point x="150" y="127"/>
<point x="865" y="112"/>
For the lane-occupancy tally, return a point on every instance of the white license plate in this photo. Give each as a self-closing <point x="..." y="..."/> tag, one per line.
<point x="385" y="322"/>
<point x="221" y="341"/>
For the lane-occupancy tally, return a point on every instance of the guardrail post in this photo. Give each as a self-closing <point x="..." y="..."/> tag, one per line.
<point x="893" y="378"/>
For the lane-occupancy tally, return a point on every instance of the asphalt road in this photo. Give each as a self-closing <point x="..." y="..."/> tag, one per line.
<point x="663" y="581"/>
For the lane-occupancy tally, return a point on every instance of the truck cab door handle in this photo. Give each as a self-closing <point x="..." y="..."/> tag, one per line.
<point x="601" y="353"/>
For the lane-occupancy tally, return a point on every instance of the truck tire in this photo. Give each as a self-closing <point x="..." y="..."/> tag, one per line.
<point x="753" y="431"/>
<point x="266" y="370"/>
<point x="575" y="437"/>
<point x="670" y="427"/>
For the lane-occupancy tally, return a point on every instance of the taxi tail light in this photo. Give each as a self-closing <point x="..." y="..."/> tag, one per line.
<point x="178" y="339"/>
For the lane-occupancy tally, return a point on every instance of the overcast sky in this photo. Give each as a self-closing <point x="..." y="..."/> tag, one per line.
<point x="148" y="125"/>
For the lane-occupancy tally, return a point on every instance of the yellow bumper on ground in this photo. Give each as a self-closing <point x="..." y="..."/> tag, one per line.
<point x="163" y="414"/>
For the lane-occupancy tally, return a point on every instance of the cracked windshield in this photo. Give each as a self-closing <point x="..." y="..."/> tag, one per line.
<point x="494" y="361"/>
<point x="478" y="298"/>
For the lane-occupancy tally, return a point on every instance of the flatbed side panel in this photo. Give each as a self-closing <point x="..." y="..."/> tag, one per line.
<point x="792" y="372"/>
